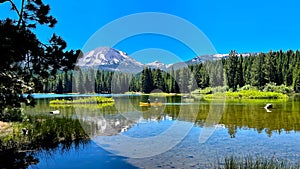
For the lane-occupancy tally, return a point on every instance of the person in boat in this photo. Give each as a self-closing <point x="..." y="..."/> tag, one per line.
<point x="148" y="101"/>
<point x="156" y="100"/>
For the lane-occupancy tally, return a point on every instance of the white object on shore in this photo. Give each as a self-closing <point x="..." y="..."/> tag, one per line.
<point x="24" y="131"/>
<point x="54" y="112"/>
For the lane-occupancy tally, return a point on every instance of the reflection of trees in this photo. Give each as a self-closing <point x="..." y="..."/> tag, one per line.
<point x="46" y="133"/>
<point x="75" y="123"/>
<point x="112" y="120"/>
<point x="236" y="115"/>
<point x="283" y="117"/>
<point x="14" y="159"/>
<point x="232" y="129"/>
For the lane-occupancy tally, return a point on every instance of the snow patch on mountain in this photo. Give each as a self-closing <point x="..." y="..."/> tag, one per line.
<point x="107" y="58"/>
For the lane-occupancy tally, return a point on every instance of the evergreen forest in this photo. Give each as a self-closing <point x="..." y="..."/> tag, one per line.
<point x="236" y="71"/>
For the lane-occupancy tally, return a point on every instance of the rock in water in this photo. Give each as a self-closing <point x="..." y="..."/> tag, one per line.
<point x="268" y="106"/>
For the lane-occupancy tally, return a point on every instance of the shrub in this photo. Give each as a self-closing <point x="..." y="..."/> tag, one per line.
<point x="12" y="114"/>
<point x="247" y="87"/>
<point x="272" y="87"/>
<point x="210" y="90"/>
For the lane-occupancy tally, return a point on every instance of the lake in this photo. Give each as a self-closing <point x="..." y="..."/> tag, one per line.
<point x="183" y="133"/>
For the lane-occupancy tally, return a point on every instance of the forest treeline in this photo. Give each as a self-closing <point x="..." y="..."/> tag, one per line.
<point x="277" y="68"/>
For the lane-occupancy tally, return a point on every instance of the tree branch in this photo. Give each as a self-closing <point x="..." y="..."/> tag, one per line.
<point x="15" y="7"/>
<point x="21" y="14"/>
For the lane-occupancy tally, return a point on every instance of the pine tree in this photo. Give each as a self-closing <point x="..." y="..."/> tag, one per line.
<point x="270" y="62"/>
<point x="258" y="72"/>
<point x="247" y="69"/>
<point x="184" y="80"/>
<point x="240" y="74"/>
<point x="88" y="85"/>
<point x="73" y="84"/>
<point x="146" y="80"/>
<point x="192" y="83"/>
<point x="158" y="81"/>
<point x="81" y="82"/>
<point x="231" y="70"/>
<point x="67" y="83"/>
<point x="297" y="83"/>
<point x="60" y="88"/>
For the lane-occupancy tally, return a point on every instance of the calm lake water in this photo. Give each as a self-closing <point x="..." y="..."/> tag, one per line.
<point x="180" y="134"/>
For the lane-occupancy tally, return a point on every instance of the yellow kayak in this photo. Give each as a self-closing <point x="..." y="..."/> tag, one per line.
<point x="151" y="104"/>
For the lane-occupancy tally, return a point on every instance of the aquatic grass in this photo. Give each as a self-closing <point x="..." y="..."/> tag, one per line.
<point x="89" y="100"/>
<point x="88" y="106"/>
<point x="250" y="162"/>
<point x="246" y="94"/>
<point x="46" y="134"/>
<point x="43" y="131"/>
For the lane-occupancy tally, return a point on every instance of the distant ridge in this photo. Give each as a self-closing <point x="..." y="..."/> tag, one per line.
<point x="106" y="58"/>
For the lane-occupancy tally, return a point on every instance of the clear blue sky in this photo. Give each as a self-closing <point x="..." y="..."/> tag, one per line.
<point x="245" y="26"/>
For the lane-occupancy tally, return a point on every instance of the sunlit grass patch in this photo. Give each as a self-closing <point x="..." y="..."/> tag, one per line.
<point x="246" y="94"/>
<point x="89" y="100"/>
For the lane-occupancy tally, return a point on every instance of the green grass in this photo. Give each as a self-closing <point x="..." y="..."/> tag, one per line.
<point x="88" y="106"/>
<point x="43" y="132"/>
<point x="89" y="100"/>
<point x="249" y="162"/>
<point x="246" y="94"/>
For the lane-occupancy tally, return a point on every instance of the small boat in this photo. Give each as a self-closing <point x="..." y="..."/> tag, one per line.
<point x="151" y="104"/>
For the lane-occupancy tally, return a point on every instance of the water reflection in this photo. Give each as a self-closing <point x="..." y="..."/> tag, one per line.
<point x="244" y="127"/>
<point x="45" y="134"/>
<point x="237" y="114"/>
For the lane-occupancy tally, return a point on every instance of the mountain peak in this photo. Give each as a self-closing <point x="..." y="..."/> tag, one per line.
<point x="154" y="62"/>
<point x="109" y="59"/>
<point x="106" y="58"/>
<point x="157" y="65"/>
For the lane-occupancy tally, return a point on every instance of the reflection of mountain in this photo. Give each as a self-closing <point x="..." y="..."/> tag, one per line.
<point x="106" y="125"/>
<point x="236" y="114"/>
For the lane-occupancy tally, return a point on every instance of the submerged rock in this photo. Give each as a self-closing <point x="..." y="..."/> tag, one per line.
<point x="268" y="106"/>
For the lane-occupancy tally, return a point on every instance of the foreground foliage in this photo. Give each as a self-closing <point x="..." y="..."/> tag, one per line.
<point x="20" y="142"/>
<point x="26" y="62"/>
